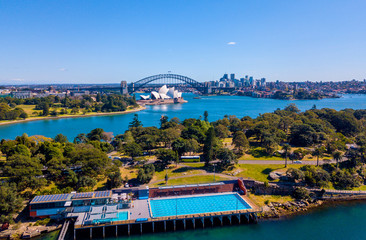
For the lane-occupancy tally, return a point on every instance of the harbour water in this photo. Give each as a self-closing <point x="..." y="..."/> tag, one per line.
<point x="336" y="222"/>
<point x="217" y="107"/>
<point x="340" y="222"/>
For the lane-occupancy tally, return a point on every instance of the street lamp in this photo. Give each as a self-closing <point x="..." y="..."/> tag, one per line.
<point x="176" y="205"/>
<point x="166" y="176"/>
<point x="214" y="165"/>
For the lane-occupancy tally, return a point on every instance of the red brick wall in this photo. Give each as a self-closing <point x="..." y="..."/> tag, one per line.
<point x="227" y="187"/>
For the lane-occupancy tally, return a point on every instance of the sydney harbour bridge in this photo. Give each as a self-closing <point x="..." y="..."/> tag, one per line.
<point x="180" y="82"/>
<point x="171" y="80"/>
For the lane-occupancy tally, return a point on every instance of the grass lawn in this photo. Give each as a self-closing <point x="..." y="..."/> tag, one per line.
<point x="262" y="199"/>
<point x="196" y="165"/>
<point x="251" y="157"/>
<point x="361" y="188"/>
<point x="176" y="172"/>
<point x="29" y="109"/>
<point x="260" y="172"/>
<point x="100" y="185"/>
<point x="189" y="180"/>
<point x="129" y="172"/>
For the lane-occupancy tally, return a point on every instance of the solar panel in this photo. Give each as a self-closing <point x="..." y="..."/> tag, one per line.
<point x="102" y="194"/>
<point x="83" y="195"/>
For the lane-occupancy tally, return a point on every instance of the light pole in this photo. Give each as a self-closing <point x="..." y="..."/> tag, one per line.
<point x="236" y="203"/>
<point x="166" y="176"/>
<point x="176" y="205"/>
<point x="214" y="165"/>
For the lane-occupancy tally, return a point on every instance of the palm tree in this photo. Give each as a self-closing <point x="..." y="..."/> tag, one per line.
<point x="286" y="148"/>
<point x="337" y="156"/>
<point x="318" y="153"/>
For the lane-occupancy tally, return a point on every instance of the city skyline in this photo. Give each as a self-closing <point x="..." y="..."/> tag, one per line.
<point x="95" y="42"/>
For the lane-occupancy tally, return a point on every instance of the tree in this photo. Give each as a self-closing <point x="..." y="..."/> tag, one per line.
<point x="295" y="175"/>
<point x="163" y="121"/>
<point x="128" y="138"/>
<point x="133" y="149"/>
<point x="286" y="150"/>
<point x="221" y="131"/>
<point x="318" y="153"/>
<point x="240" y="141"/>
<point x="10" y="201"/>
<point x="169" y="135"/>
<point x="45" y="109"/>
<point x="80" y="138"/>
<point x="99" y="98"/>
<point x="135" y="121"/>
<point x="301" y="193"/>
<point x="205" y="115"/>
<point x="24" y="171"/>
<point x="23" y="115"/>
<point x="166" y="156"/>
<point x="226" y="157"/>
<point x="337" y="156"/>
<point x="96" y="134"/>
<point x="208" y="147"/>
<point x="114" y="179"/>
<point x="61" y="138"/>
<point x="93" y="161"/>
<point x="179" y="145"/>
<point x="146" y="173"/>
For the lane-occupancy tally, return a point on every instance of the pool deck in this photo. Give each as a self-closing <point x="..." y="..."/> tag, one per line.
<point x="141" y="210"/>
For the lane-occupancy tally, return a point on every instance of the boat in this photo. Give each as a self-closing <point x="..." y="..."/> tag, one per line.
<point x="196" y="97"/>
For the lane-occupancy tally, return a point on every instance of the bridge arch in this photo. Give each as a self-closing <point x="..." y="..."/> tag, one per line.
<point x="143" y="82"/>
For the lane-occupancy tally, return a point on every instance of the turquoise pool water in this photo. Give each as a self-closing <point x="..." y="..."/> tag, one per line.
<point x="196" y="205"/>
<point x="121" y="216"/>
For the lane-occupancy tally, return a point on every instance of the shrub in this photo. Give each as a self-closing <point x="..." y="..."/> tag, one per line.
<point x="301" y="193"/>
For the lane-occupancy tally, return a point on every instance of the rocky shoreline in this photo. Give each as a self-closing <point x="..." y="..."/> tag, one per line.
<point x="28" y="232"/>
<point x="276" y="210"/>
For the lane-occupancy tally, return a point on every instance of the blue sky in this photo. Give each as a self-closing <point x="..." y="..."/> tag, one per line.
<point x="109" y="41"/>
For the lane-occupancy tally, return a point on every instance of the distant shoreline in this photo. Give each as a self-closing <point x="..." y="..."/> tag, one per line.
<point x="140" y="108"/>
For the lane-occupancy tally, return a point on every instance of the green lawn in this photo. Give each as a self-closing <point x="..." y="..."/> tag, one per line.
<point x="196" y="165"/>
<point x="176" y="172"/>
<point x="261" y="200"/>
<point x="190" y="180"/>
<point x="260" y="171"/>
<point x="250" y="157"/>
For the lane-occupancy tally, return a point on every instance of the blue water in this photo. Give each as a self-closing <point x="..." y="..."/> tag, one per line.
<point x="217" y="107"/>
<point x="197" y="205"/>
<point x="121" y="216"/>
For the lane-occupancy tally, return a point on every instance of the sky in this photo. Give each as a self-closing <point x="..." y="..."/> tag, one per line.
<point x="109" y="41"/>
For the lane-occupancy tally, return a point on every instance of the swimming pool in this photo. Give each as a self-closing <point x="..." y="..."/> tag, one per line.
<point x="121" y="216"/>
<point x="198" y="204"/>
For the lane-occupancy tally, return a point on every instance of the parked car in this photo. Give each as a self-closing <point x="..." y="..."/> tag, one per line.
<point x="298" y="162"/>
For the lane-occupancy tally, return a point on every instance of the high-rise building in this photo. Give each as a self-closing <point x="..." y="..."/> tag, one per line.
<point x="232" y="76"/>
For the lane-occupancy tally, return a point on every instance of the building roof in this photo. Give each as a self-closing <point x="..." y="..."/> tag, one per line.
<point x="71" y="196"/>
<point x="51" y="198"/>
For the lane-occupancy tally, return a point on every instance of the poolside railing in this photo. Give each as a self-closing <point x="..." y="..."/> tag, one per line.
<point x="179" y="217"/>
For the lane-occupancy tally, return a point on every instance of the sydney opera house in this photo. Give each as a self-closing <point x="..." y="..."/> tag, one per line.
<point x="164" y="93"/>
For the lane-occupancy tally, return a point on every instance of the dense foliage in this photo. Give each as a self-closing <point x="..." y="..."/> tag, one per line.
<point x="55" y="105"/>
<point x="41" y="165"/>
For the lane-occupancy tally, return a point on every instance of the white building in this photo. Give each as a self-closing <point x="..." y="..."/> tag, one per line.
<point x="164" y="93"/>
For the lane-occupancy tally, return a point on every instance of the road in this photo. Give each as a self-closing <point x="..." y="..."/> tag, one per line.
<point x="282" y="162"/>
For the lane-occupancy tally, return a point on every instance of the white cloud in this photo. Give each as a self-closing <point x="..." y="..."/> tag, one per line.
<point x="63" y="69"/>
<point x="17" y="79"/>
<point x="231" y="43"/>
